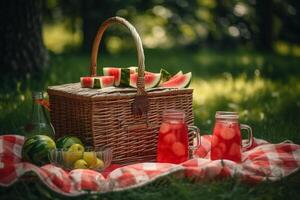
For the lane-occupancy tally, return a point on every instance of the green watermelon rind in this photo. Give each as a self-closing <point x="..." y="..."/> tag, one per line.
<point x="188" y="84"/>
<point x="165" y="75"/>
<point x="177" y="74"/>
<point x="172" y="77"/>
<point x="97" y="83"/>
<point x="153" y="84"/>
<point x="66" y="142"/>
<point x="188" y="81"/>
<point x="185" y="84"/>
<point x="35" y="149"/>
<point x="125" y="77"/>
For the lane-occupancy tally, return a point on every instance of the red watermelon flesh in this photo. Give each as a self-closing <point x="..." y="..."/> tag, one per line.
<point x="113" y="71"/>
<point x="151" y="79"/>
<point x="97" y="82"/>
<point x="107" y="81"/>
<point x="122" y="75"/>
<point x="148" y="73"/>
<point x="86" y="82"/>
<point x="178" y="73"/>
<point x="179" y="81"/>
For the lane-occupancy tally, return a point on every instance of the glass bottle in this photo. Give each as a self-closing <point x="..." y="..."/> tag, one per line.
<point x="39" y="123"/>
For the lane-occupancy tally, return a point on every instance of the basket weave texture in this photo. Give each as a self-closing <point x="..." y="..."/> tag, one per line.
<point x="104" y="118"/>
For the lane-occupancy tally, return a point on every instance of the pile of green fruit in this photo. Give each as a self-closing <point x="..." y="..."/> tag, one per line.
<point x="77" y="158"/>
<point x="74" y="155"/>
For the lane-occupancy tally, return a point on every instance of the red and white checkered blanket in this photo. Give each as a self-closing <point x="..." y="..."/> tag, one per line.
<point x="263" y="161"/>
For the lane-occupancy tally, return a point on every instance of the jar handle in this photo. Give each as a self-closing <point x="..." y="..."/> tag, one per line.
<point x="250" y="136"/>
<point x="196" y="133"/>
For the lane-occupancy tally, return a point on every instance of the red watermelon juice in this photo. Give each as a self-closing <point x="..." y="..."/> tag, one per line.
<point x="173" y="138"/>
<point x="227" y="139"/>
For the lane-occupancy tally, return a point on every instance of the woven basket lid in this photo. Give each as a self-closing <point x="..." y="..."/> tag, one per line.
<point x="75" y="89"/>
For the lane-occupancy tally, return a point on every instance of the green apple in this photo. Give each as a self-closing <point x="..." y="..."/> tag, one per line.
<point x="74" y="153"/>
<point x="90" y="158"/>
<point x="80" y="164"/>
<point x="98" y="165"/>
<point x="76" y="148"/>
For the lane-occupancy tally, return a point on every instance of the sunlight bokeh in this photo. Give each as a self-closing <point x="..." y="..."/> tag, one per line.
<point x="231" y="94"/>
<point x="57" y="37"/>
<point x="284" y="48"/>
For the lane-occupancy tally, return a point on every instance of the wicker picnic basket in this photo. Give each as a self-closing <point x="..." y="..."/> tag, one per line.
<point x="105" y="118"/>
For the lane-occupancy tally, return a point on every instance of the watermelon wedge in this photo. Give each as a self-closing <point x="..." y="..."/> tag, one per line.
<point x="122" y="75"/>
<point x="146" y="72"/>
<point x="178" y="73"/>
<point x="87" y="82"/>
<point x="103" y="81"/>
<point x="151" y="80"/>
<point x="178" y="81"/>
<point x="165" y="75"/>
<point x="97" y="82"/>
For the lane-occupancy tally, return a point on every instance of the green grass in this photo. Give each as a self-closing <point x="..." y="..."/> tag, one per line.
<point x="170" y="188"/>
<point x="263" y="88"/>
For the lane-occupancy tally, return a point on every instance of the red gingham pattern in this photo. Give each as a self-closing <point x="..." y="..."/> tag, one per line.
<point x="263" y="161"/>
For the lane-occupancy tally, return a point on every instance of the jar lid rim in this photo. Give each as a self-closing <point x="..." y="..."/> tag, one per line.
<point x="227" y="114"/>
<point x="173" y="113"/>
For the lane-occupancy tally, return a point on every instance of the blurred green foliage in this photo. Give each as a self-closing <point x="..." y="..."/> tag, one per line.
<point x="221" y="24"/>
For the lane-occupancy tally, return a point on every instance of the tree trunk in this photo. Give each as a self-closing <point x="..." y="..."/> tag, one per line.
<point x="21" y="44"/>
<point x="92" y="19"/>
<point x="264" y="13"/>
<point x="94" y="13"/>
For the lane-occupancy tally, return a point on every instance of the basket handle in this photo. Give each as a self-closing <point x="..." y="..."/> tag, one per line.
<point x="139" y="48"/>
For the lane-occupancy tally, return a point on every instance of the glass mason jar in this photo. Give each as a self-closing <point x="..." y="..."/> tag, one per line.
<point x="226" y="139"/>
<point x="39" y="123"/>
<point x="173" y="142"/>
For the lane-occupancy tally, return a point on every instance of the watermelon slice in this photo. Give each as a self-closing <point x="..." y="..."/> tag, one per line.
<point x="146" y="72"/>
<point x="103" y="81"/>
<point x="97" y="82"/>
<point x="178" y="73"/>
<point x="178" y="81"/>
<point x="165" y="75"/>
<point x="151" y="79"/>
<point x="122" y="75"/>
<point x="87" y="82"/>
